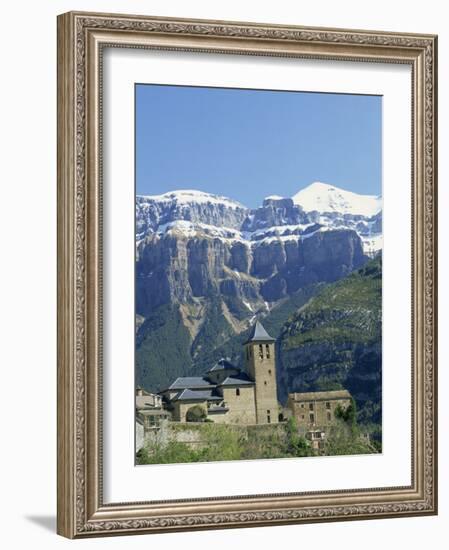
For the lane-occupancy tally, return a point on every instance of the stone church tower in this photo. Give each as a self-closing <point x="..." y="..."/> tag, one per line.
<point x="261" y="367"/>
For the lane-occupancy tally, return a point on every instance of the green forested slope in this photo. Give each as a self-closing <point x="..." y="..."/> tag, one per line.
<point x="335" y="341"/>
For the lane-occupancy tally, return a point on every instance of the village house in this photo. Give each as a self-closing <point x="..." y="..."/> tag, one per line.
<point x="228" y="394"/>
<point x="315" y="412"/>
<point x="317" y="409"/>
<point x="149" y="409"/>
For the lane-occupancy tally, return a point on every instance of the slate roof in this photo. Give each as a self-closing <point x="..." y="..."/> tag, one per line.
<point x="259" y="334"/>
<point x="320" y="395"/>
<point x="189" y="395"/>
<point x="223" y="364"/>
<point x="241" y="379"/>
<point x="191" y="382"/>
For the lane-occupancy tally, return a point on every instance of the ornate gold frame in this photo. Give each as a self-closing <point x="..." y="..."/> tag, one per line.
<point x="81" y="37"/>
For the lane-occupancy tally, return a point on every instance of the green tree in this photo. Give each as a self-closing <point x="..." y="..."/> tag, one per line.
<point x="348" y="415"/>
<point x="172" y="452"/>
<point x="196" y="414"/>
<point x="344" y="439"/>
<point x="297" y="445"/>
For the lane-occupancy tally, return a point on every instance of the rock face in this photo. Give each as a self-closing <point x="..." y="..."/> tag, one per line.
<point x="193" y="206"/>
<point x="174" y="267"/>
<point x="275" y="212"/>
<point x="206" y="266"/>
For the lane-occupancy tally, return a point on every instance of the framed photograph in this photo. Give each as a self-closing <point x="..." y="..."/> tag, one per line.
<point x="246" y="274"/>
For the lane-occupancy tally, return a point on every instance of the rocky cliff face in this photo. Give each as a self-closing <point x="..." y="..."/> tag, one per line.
<point x="275" y="212"/>
<point x="193" y="206"/>
<point x="178" y="268"/>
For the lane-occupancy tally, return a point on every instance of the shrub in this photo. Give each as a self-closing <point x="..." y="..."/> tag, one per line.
<point x="297" y="445"/>
<point x="343" y="439"/>
<point x="196" y="414"/>
<point x="173" y="452"/>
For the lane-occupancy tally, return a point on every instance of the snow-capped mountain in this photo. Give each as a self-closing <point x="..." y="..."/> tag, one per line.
<point x="316" y="208"/>
<point x="154" y="211"/>
<point x="335" y="208"/>
<point x="322" y="197"/>
<point x="191" y="196"/>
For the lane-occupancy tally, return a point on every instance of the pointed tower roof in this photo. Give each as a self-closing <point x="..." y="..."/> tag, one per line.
<point x="259" y="334"/>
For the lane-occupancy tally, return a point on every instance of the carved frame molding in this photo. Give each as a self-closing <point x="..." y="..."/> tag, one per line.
<point x="81" y="39"/>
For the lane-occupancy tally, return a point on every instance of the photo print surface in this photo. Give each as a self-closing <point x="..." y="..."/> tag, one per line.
<point x="258" y="274"/>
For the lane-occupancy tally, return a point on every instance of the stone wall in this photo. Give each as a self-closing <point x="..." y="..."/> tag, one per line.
<point x="140" y="436"/>
<point x="193" y="434"/>
<point x="241" y="404"/>
<point x="261" y="365"/>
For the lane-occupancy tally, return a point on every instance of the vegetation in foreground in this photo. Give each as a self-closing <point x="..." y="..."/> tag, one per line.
<point x="222" y="443"/>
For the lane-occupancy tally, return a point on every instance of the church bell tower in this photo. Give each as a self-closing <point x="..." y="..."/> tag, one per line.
<point x="261" y="367"/>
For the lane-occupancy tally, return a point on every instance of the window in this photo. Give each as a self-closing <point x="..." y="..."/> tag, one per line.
<point x="311" y="406"/>
<point x="312" y="417"/>
<point x="328" y="405"/>
<point x="261" y="351"/>
<point x="264" y="382"/>
<point x="237" y="391"/>
<point x="267" y="351"/>
<point x="268" y="412"/>
<point x="302" y="417"/>
<point x="302" y="405"/>
<point x="269" y="372"/>
<point x="268" y="419"/>
<point x="329" y="416"/>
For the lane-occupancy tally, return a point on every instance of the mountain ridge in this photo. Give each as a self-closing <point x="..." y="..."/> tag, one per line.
<point x="279" y="218"/>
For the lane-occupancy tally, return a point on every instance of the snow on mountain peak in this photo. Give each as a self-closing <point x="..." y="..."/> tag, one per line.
<point x="274" y="198"/>
<point x="323" y="197"/>
<point x="186" y="196"/>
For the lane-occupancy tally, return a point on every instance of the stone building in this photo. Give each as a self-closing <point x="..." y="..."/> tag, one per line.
<point x="261" y="366"/>
<point x="149" y="409"/>
<point x="228" y="394"/>
<point x="315" y="411"/>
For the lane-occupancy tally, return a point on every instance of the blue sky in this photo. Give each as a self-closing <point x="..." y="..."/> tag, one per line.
<point x="248" y="144"/>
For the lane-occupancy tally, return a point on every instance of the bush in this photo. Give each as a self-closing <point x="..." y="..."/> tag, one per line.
<point x="297" y="445"/>
<point x="222" y="443"/>
<point x="196" y="414"/>
<point x="348" y="415"/>
<point x="343" y="439"/>
<point x="173" y="452"/>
